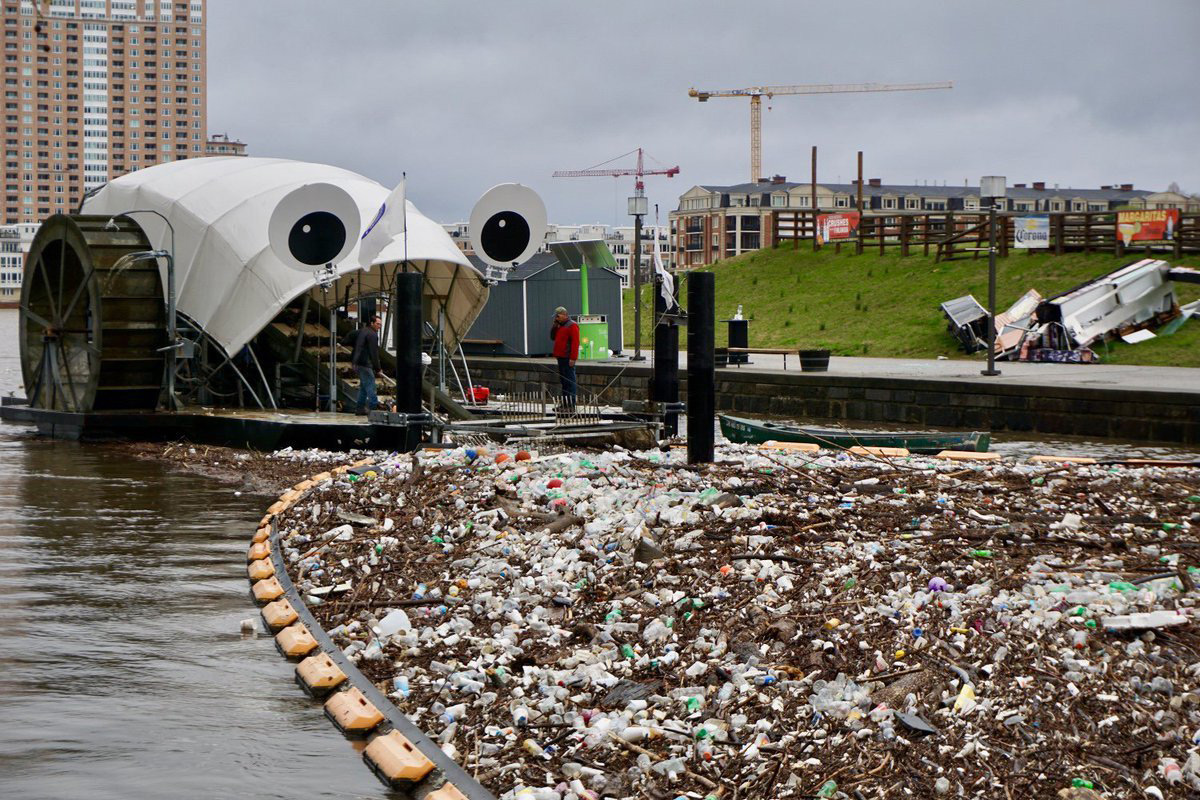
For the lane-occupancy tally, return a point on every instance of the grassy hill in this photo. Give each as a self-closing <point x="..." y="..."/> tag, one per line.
<point x="888" y="306"/>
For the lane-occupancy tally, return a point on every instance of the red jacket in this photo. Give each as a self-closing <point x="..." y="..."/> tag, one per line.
<point x="566" y="340"/>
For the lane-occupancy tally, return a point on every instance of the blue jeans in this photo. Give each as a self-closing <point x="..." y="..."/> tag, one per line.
<point x="367" y="399"/>
<point x="566" y="379"/>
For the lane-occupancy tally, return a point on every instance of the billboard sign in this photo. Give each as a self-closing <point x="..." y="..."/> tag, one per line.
<point x="1158" y="225"/>
<point x="836" y="227"/>
<point x="1031" y="232"/>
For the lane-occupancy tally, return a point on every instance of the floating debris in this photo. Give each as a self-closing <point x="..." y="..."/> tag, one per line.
<point x="612" y="624"/>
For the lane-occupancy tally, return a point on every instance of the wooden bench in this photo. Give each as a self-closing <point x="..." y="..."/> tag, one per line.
<point x="768" y="351"/>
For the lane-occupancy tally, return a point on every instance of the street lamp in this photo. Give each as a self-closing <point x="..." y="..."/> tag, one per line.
<point x="991" y="192"/>
<point x="175" y="344"/>
<point x="638" y="208"/>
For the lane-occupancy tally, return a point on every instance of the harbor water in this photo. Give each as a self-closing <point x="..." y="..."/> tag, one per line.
<point x="123" y="672"/>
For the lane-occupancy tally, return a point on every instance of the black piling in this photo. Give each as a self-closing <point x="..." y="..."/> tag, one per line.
<point x="407" y="315"/>
<point x="664" y="382"/>
<point x="702" y="390"/>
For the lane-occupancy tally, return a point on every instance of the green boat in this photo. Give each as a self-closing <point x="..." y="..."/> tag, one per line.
<point x="752" y="431"/>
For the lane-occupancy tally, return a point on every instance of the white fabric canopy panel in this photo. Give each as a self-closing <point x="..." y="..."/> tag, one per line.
<point x="228" y="280"/>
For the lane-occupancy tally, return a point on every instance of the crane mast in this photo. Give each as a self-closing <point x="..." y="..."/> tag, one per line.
<point x="757" y="93"/>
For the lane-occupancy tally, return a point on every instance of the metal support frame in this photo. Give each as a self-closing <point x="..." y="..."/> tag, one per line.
<point x="991" y="322"/>
<point x="702" y="395"/>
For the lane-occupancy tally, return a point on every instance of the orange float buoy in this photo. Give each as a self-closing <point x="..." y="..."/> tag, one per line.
<point x="523" y="455"/>
<point x="266" y="590"/>
<point x="295" y="641"/>
<point x="396" y="760"/>
<point x="263" y="568"/>
<point x="318" y="675"/>
<point x="279" y="614"/>
<point x="554" y="483"/>
<point x="352" y="713"/>
<point x="501" y="458"/>
<point x="448" y="792"/>
<point x="262" y="534"/>
<point x="259" y="550"/>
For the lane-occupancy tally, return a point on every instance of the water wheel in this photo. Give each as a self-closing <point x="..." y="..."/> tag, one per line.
<point x="92" y="317"/>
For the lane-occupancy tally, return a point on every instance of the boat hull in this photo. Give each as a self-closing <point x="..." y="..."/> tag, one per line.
<point x="750" y="431"/>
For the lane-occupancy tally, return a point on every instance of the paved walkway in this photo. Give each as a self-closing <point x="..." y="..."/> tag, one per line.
<point x="1100" y="376"/>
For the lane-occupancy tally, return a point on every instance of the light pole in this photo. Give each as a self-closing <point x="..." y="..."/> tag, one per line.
<point x="172" y="318"/>
<point x="638" y="207"/>
<point x="991" y="191"/>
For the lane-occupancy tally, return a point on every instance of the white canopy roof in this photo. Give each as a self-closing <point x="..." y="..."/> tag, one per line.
<point x="228" y="280"/>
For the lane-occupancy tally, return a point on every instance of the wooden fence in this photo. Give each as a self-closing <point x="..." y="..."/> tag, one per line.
<point x="958" y="234"/>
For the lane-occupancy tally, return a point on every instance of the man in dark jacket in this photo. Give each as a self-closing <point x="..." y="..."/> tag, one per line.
<point x="366" y="364"/>
<point x="565" y="334"/>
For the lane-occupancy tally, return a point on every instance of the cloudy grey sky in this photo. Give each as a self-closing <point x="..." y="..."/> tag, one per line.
<point x="464" y="95"/>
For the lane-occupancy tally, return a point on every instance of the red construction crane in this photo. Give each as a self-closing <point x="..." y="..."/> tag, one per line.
<point x="639" y="171"/>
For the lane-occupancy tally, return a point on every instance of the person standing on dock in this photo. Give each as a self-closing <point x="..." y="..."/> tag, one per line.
<point x="565" y="335"/>
<point x="366" y="364"/>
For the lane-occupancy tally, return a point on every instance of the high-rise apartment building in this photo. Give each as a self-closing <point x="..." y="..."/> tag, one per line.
<point x="94" y="89"/>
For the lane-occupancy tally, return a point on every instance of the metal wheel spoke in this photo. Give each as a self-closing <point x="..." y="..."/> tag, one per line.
<point x="36" y="317"/>
<point x="66" y="365"/>
<point x="41" y="267"/>
<point x="38" y="381"/>
<point x="62" y="271"/>
<point x="74" y="300"/>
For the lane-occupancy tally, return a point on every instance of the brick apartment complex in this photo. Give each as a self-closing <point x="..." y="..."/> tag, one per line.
<point x="716" y="222"/>
<point x="94" y="89"/>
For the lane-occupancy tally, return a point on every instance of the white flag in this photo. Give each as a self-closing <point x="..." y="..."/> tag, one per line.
<point x="667" y="287"/>
<point x="389" y="222"/>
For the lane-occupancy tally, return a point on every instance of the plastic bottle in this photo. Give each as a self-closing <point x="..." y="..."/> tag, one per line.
<point x="520" y="715"/>
<point x="828" y="789"/>
<point x="1170" y="770"/>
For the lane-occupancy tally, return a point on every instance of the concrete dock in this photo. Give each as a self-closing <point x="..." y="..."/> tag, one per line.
<point x="1146" y="404"/>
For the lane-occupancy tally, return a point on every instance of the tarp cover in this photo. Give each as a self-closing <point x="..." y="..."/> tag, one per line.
<point x="228" y="280"/>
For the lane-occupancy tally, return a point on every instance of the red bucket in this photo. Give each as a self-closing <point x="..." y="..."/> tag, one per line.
<point x="480" y="394"/>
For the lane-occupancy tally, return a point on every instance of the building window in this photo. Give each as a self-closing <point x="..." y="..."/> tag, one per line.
<point x="889" y="202"/>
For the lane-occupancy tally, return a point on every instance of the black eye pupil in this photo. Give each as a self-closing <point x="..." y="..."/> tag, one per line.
<point x="505" y="236"/>
<point x="317" y="238"/>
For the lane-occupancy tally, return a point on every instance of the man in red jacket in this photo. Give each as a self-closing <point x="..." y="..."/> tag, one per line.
<point x="565" y="334"/>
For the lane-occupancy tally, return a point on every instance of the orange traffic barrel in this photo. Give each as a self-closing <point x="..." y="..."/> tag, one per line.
<point x="259" y="550"/>
<point x="295" y="641"/>
<point x="279" y="614"/>
<point x="267" y="590"/>
<point x="263" y="568"/>
<point x="448" y="792"/>
<point x="262" y="534"/>
<point x="352" y="713"/>
<point x="318" y="675"/>
<point x="397" y="761"/>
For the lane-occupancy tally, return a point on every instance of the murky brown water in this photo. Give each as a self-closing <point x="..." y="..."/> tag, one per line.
<point x="122" y="670"/>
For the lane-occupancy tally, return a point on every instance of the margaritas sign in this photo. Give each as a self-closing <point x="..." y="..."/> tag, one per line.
<point x="1031" y="232"/>
<point x="1147" y="226"/>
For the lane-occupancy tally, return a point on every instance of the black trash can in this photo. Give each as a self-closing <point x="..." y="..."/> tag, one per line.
<point x="814" y="360"/>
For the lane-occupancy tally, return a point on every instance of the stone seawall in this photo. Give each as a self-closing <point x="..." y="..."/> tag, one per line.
<point x="1113" y="413"/>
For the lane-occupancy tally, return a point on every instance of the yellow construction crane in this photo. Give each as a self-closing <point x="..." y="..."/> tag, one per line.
<point x="757" y="93"/>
